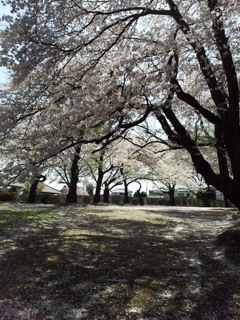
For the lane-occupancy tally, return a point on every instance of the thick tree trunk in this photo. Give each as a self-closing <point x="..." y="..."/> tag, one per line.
<point x="141" y="200"/>
<point x="139" y="195"/>
<point x="222" y="160"/>
<point x="32" y="192"/>
<point x="97" y="195"/>
<point x="230" y="187"/>
<point x="106" y="194"/>
<point x="126" y="197"/>
<point x="171" y="193"/>
<point x="227" y="205"/>
<point x="72" y="193"/>
<point x="225" y="116"/>
<point x="33" y="189"/>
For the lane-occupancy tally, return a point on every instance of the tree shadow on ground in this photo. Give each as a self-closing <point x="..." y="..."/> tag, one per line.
<point x="230" y="240"/>
<point x="206" y="214"/>
<point x="94" y="268"/>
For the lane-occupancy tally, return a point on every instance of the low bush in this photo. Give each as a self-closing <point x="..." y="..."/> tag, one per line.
<point x="7" y="196"/>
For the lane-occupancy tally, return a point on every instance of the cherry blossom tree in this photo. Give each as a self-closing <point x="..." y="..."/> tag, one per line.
<point x="118" y="59"/>
<point x="114" y="165"/>
<point x="104" y="166"/>
<point x="131" y="169"/>
<point x="105" y="169"/>
<point x="70" y="167"/>
<point x="72" y="193"/>
<point x="33" y="188"/>
<point x="168" y="169"/>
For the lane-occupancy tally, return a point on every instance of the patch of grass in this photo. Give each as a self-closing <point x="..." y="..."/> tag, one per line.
<point x="14" y="218"/>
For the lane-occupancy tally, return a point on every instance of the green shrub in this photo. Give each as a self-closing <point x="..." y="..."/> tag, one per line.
<point x="48" y="198"/>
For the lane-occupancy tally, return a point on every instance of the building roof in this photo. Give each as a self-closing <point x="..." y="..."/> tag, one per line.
<point x="48" y="189"/>
<point x="44" y="188"/>
<point x="120" y="190"/>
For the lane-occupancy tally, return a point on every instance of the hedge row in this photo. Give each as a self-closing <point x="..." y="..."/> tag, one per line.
<point x="118" y="200"/>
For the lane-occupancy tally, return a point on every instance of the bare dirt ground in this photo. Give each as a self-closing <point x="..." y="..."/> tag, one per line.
<point x="126" y="263"/>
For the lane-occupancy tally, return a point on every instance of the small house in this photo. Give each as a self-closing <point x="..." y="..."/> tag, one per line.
<point x="42" y="188"/>
<point x="121" y="192"/>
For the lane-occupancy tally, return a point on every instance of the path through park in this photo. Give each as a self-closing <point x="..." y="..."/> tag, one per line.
<point x="126" y="263"/>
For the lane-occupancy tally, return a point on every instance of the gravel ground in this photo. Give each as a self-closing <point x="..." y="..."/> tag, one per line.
<point x="126" y="263"/>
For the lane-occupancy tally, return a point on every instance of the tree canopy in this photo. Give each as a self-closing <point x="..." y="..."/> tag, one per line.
<point x="76" y="64"/>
